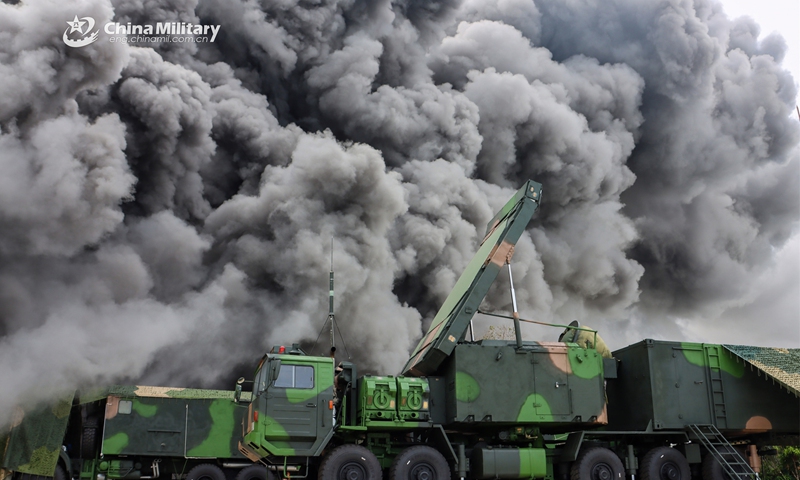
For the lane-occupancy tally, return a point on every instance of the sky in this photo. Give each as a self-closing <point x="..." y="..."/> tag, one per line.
<point x="772" y="300"/>
<point x="782" y="16"/>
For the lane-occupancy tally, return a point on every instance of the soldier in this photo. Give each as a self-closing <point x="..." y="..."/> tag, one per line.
<point x="584" y="338"/>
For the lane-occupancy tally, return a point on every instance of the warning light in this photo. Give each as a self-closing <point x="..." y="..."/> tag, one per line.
<point x="255" y="415"/>
<point x="330" y="404"/>
<point x="282" y="349"/>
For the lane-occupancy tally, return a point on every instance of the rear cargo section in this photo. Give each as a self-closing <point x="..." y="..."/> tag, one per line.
<point x="739" y="390"/>
<point x="179" y="422"/>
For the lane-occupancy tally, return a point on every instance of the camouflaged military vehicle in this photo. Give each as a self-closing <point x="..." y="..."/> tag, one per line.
<point x="486" y="409"/>
<point x="131" y="432"/>
<point x="518" y="409"/>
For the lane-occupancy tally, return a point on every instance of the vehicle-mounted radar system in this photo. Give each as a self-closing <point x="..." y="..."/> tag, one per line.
<point x="453" y="319"/>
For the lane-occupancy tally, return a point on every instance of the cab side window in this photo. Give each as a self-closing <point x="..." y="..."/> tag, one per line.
<point x="304" y="377"/>
<point x="295" y="376"/>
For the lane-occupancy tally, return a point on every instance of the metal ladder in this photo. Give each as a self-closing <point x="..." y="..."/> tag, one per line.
<point x="719" y="410"/>
<point x="727" y="456"/>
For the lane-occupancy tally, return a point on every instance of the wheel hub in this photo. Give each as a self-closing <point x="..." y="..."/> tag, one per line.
<point x="352" y="471"/>
<point x="422" y="471"/>
<point x="670" y="471"/>
<point x="602" y="471"/>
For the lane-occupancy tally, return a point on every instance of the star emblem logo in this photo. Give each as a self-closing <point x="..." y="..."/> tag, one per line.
<point x="77" y="25"/>
<point x="83" y="26"/>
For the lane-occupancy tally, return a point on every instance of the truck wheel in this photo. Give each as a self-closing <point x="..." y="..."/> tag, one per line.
<point x="712" y="470"/>
<point x="60" y="473"/>
<point x="206" y="471"/>
<point x="419" y="463"/>
<point x="597" y="463"/>
<point x="89" y="443"/>
<point x="255" y="472"/>
<point x="350" y="462"/>
<point x="664" y="463"/>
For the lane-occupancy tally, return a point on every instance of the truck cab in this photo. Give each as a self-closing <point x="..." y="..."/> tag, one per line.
<point x="292" y="409"/>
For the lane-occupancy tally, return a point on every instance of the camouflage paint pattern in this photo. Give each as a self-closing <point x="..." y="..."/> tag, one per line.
<point x="290" y="421"/>
<point x="147" y="421"/>
<point x="552" y="385"/>
<point x="172" y="422"/>
<point x="453" y="318"/>
<point x="32" y="442"/>
<point x="677" y="384"/>
<point x="508" y="463"/>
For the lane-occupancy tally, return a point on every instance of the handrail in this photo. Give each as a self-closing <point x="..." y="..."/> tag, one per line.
<point x="584" y="329"/>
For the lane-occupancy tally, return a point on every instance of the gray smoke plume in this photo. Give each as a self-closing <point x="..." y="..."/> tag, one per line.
<point x="167" y="208"/>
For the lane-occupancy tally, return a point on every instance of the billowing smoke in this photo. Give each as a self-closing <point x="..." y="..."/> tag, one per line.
<point x="167" y="208"/>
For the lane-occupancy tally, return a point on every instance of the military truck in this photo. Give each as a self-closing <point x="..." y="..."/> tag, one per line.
<point x="131" y="433"/>
<point x="675" y="411"/>
<point x="519" y="409"/>
<point x="477" y="409"/>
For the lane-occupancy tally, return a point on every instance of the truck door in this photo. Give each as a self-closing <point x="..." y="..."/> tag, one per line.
<point x="292" y="404"/>
<point x="692" y="388"/>
<point x="292" y="413"/>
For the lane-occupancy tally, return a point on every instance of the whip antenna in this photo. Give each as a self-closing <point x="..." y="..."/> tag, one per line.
<point x="331" y="317"/>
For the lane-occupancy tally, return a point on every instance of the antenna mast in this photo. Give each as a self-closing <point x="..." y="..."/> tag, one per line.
<point x="330" y="308"/>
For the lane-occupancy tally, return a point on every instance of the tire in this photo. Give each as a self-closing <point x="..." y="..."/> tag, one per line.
<point x="664" y="463"/>
<point x="419" y="463"/>
<point x="597" y="463"/>
<point x="349" y="462"/>
<point x="89" y="443"/>
<point x="255" y="471"/>
<point x="89" y="446"/>
<point x="206" y="471"/>
<point x="60" y="473"/>
<point x="712" y="470"/>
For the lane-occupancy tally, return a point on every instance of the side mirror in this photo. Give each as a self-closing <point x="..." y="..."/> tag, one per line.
<point x="237" y="394"/>
<point x="275" y="369"/>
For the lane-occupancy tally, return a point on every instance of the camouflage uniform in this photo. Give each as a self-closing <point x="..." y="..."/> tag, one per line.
<point x="585" y="339"/>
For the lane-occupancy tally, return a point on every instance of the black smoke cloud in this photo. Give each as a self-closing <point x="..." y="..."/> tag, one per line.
<point x="167" y="209"/>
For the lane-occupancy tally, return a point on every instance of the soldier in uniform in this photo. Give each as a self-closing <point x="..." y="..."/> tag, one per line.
<point x="584" y="338"/>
